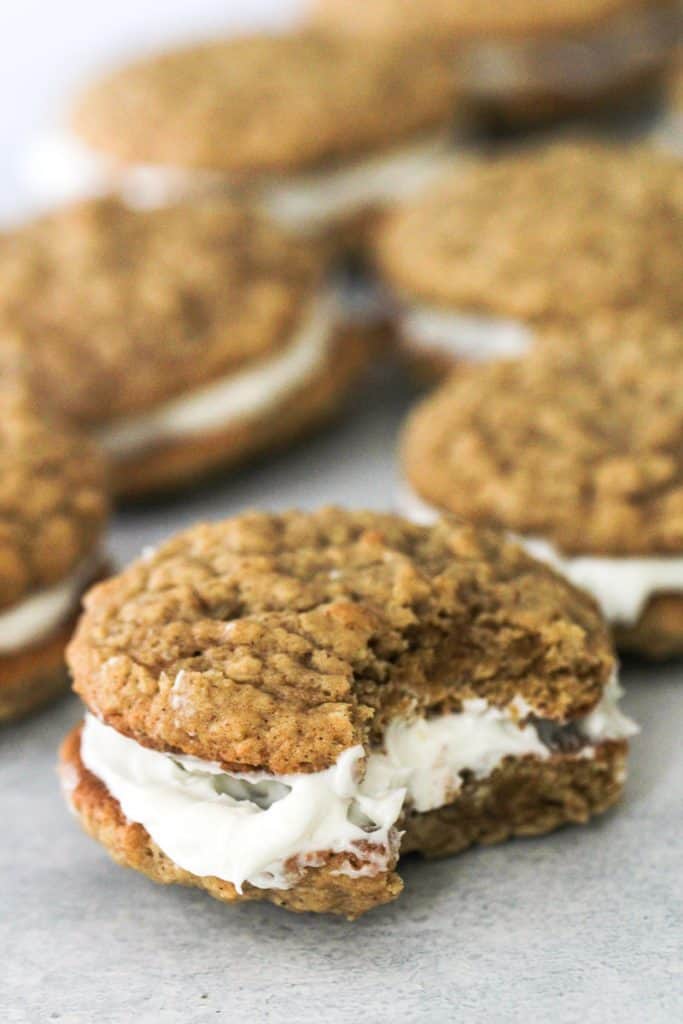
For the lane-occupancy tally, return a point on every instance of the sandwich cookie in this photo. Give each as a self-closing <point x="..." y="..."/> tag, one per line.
<point x="279" y="705"/>
<point x="53" y="510"/>
<point x="502" y="246"/>
<point x="524" y="60"/>
<point x="577" y="452"/>
<point x="316" y="131"/>
<point x="184" y="339"/>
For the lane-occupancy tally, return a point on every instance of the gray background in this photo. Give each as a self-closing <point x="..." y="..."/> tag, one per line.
<point x="582" y="926"/>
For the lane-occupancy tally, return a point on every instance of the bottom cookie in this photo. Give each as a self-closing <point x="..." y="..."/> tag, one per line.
<point x="32" y="678"/>
<point x="522" y="797"/>
<point x="658" y="633"/>
<point x="427" y="367"/>
<point x="319" y="888"/>
<point x="185" y="461"/>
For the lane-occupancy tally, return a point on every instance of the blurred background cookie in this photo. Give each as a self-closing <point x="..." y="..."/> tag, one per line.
<point x="279" y="705"/>
<point x="528" y="60"/>
<point x="184" y="339"/>
<point x="556" y="233"/>
<point x="316" y="131"/>
<point x="53" y="510"/>
<point x="577" y="452"/>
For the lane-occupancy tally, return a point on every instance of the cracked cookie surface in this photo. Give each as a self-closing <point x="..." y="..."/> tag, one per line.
<point x="581" y="444"/>
<point x="275" y="642"/>
<point x="551" y="234"/>
<point x="53" y="501"/>
<point x="137" y="307"/>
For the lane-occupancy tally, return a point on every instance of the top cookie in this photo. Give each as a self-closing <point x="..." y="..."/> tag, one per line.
<point x="580" y="444"/>
<point x="276" y="641"/>
<point x="464" y="18"/>
<point x="552" y="233"/>
<point x="52" y="498"/>
<point x="265" y="103"/>
<point x="117" y="310"/>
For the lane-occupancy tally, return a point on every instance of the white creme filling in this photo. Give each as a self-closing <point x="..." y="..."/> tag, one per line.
<point x="246" y="393"/>
<point x="622" y="586"/>
<point x="262" y="829"/>
<point x="42" y="613"/>
<point x="575" y="65"/>
<point x="472" y="336"/>
<point x="60" y="169"/>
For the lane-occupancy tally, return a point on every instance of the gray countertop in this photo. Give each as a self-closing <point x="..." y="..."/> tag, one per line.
<point x="585" y="925"/>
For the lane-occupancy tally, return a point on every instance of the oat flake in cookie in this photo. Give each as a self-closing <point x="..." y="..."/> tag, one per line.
<point x="52" y="516"/>
<point x="318" y="131"/>
<point x="578" y="452"/>
<point x="525" y="60"/>
<point x="559" y="233"/>
<point x="279" y="705"/>
<point x="184" y="339"/>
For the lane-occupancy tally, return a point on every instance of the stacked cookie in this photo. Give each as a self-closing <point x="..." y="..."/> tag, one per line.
<point x="191" y="311"/>
<point x="577" y="452"/>
<point x="565" y="234"/>
<point x="53" y="508"/>
<point x="315" y="131"/>
<point x="183" y="339"/>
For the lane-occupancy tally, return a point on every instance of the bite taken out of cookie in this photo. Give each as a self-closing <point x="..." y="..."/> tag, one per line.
<point x="280" y="706"/>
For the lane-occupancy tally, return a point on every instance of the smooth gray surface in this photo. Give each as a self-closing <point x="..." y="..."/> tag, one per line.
<point x="582" y="926"/>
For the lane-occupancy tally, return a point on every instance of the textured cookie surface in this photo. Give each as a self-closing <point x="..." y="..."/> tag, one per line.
<point x="265" y="103"/>
<point x="118" y="310"/>
<point x="277" y="641"/>
<point x="580" y="445"/>
<point x="552" y="233"/>
<point x="461" y="18"/>
<point x="521" y="797"/>
<point x="52" y="498"/>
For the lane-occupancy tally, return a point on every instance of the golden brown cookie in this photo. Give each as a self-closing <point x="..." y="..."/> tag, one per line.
<point x="317" y="130"/>
<point x="185" y="339"/>
<point x="523" y="60"/>
<point x="578" y="450"/>
<point x="52" y="514"/>
<point x="562" y="233"/>
<point x="297" y="689"/>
